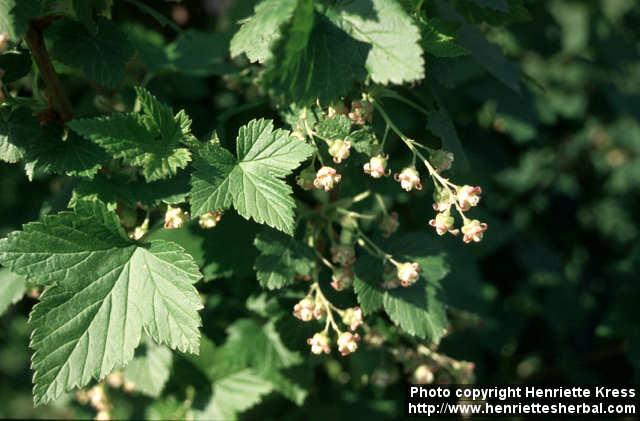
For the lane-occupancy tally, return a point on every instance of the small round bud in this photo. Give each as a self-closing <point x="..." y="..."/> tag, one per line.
<point x="353" y="318"/>
<point x="340" y="150"/>
<point x="209" y="220"/>
<point x="423" y="375"/>
<point x="326" y="178"/>
<point x="348" y="343"/>
<point x="342" y="278"/>
<point x="408" y="273"/>
<point x="306" y="178"/>
<point x="343" y="254"/>
<point x="441" y="159"/>
<point x="304" y="309"/>
<point x="389" y="224"/>
<point x="361" y="112"/>
<point x="468" y="197"/>
<point x="409" y="179"/>
<point x="377" y="166"/>
<point x="473" y="230"/>
<point x="319" y="343"/>
<point x="175" y="218"/>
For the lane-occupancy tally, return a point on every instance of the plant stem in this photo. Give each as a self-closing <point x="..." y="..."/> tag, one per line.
<point x="55" y="92"/>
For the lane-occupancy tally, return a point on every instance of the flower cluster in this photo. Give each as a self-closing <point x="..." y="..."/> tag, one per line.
<point x="316" y="306"/>
<point x="462" y="199"/>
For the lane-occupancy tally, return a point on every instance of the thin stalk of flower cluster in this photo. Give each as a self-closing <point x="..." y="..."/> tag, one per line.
<point x="377" y="250"/>
<point x="354" y="214"/>
<point x="328" y="306"/>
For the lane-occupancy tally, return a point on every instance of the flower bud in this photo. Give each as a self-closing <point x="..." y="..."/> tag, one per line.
<point x="210" y="219"/>
<point x="389" y="224"/>
<point x="423" y="375"/>
<point x="348" y="343"/>
<point x="361" y="112"/>
<point x="443" y="223"/>
<point x="377" y="166"/>
<point x="335" y="109"/>
<point x="175" y="218"/>
<point x="326" y="178"/>
<point x="343" y="254"/>
<point x="306" y="178"/>
<point x="408" y="273"/>
<point x="342" y="278"/>
<point x="340" y="150"/>
<point x="443" y="199"/>
<point x="441" y="159"/>
<point x="409" y="179"/>
<point x="319" y="343"/>
<point x="473" y="230"/>
<point x="353" y="318"/>
<point x="468" y="197"/>
<point x="304" y="309"/>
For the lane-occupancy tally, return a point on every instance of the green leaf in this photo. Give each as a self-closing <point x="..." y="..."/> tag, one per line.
<point x="438" y="39"/>
<point x="365" y="142"/>
<point x="315" y="60"/>
<point x="259" y="33"/>
<point x="149" y="139"/>
<point x="17" y="127"/>
<point x="12" y="289"/>
<point x="252" y="182"/>
<point x="488" y="55"/>
<point x="199" y="53"/>
<point x="86" y="10"/>
<point x="250" y="344"/>
<point x="440" y="124"/>
<point x="15" y="15"/>
<point x="102" y="56"/>
<point x="149" y="372"/>
<point x="15" y="65"/>
<point x="395" y="55"/>
<point x="235" y="394"/>
<point x="52" y="154"/>
<point x="337" y="127"/>
<point x="499" y="5"/>
<point x="113" y="188"/>
<point x="418" y="309"/>
<point x="102" y="291"/>
<point x="281" y="258"/>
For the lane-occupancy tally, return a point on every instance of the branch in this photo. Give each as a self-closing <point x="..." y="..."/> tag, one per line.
<point x="55" y="93"/>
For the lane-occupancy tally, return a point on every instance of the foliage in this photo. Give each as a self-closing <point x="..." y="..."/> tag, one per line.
<point x="222" y="210"/>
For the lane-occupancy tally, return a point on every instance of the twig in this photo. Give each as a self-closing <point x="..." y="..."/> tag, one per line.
<point x="55" y="92"/>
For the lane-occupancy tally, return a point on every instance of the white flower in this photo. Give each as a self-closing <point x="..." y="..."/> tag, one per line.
<point x="377" y="166"/>
<point x="348" y="343"/>
<point x="319" y="343"/>
<point x="423" y="375"/>
<point x="210" y="219"/>
<point x="326" y="178"/>
<point x="473" y="230"/>
<point x="443" y="223"/>
<point x="340" y="150"/>
<point x="408" y="273"/>
<point x="468" y="197"/>
<point x="304" y="309"/>
<point x="175" y="218"/>
<point x="409" y="179"/>
<point x="353" y="318"/>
